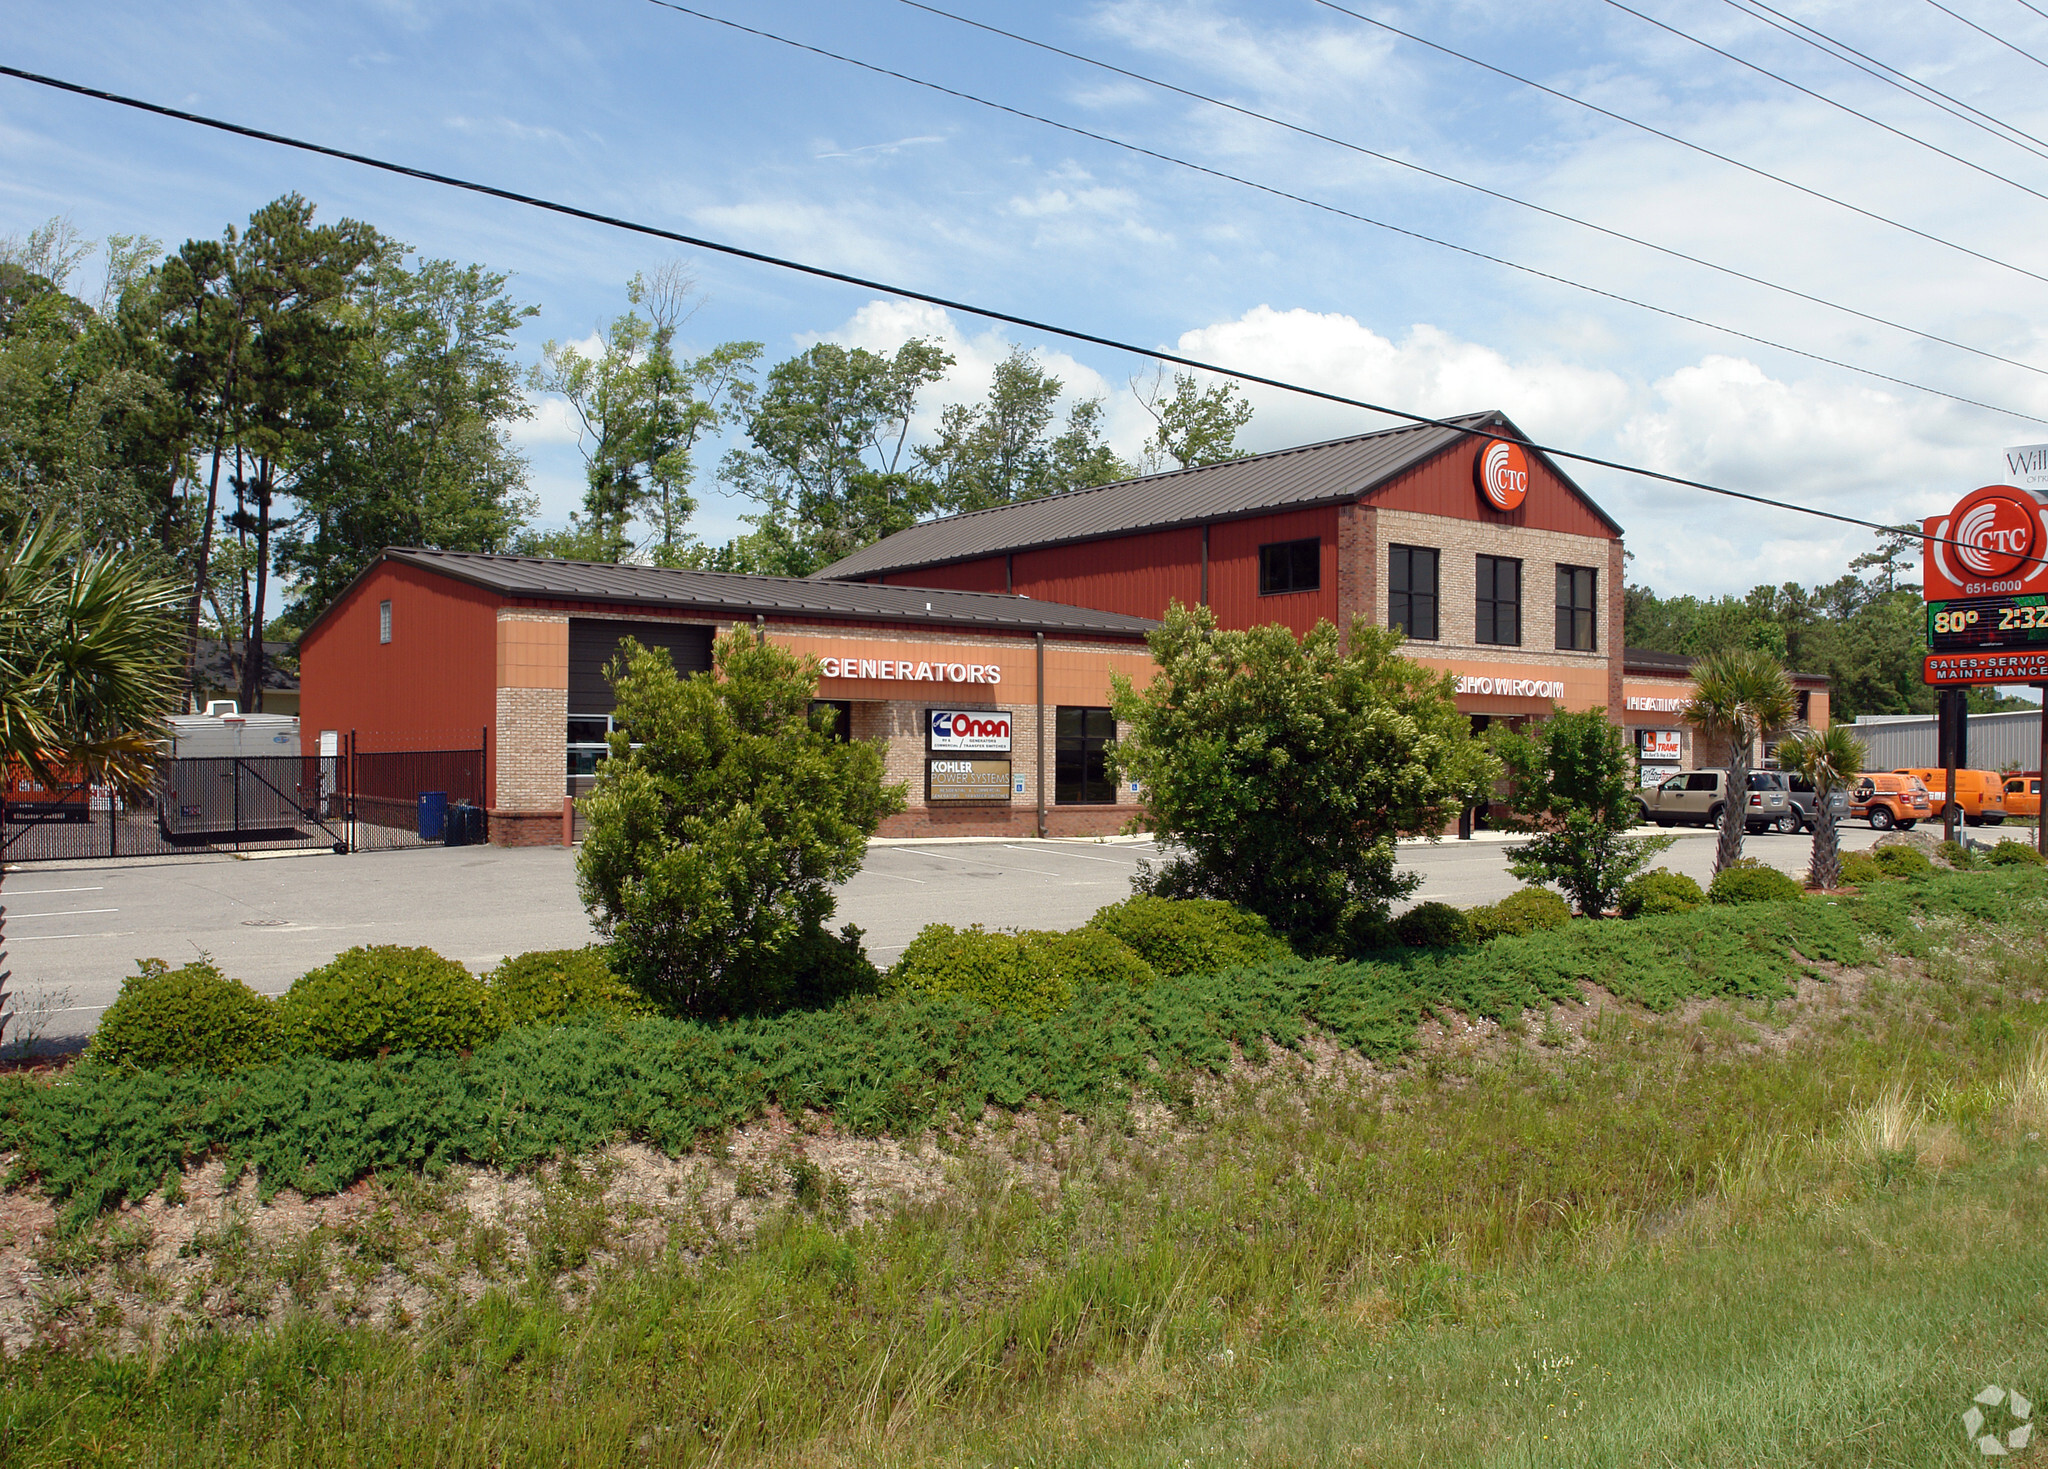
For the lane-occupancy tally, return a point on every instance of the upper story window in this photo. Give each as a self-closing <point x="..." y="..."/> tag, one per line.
<point x="383" y="622"/>
<point x="1499" y="618"/>
<point x="1411" y="590"/>
<point x="1578" y="591"/>
<point x="1291" y="566"/>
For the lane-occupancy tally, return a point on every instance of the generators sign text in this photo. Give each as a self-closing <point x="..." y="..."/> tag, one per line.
<point x="911" y="670"/>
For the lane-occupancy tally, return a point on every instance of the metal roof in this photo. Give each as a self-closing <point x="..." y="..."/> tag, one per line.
<point x="1287" y="479"/>
<point x="726" y="594"/>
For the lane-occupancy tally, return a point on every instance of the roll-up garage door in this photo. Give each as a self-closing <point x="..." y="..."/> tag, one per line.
<point x="594" y="642"/>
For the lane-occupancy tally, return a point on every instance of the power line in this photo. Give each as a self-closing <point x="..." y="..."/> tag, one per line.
<point x="1279" y="193"/>
<point x="987" y="313"/>
<point x="1700" y="148"/>
<point x="1822" y="97"/>
<point x="1992" y="34"/>
<point x="1462" y="183"/>
<point x="1834" y="48"/>
<point x="2035" y="8"/>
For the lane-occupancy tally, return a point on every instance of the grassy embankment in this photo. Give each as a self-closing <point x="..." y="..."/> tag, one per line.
<point x="1769" y="1229"/>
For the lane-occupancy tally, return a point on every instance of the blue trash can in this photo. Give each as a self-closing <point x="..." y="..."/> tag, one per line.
<point x="433" y="815"/>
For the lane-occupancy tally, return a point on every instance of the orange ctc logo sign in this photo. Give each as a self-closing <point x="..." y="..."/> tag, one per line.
<point x="1990" y="543"/>
<point x="1503" y="473"/>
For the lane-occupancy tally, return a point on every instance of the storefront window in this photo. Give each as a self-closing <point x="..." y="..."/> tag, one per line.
<point x="1577" y="592"/>
<point x="1499" y="617"/>
<point x="1080" y="773"/>
<point x="1291" y="566"/>
<point x="842" y="717"/>
<point x="1411" y="590"/>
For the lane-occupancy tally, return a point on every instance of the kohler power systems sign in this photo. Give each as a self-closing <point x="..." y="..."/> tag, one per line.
<point x="970" y="729"/>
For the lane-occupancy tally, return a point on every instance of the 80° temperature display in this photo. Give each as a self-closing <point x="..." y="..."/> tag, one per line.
<point x="1988" y="622"/>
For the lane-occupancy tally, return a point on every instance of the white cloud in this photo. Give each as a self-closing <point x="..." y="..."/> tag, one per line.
<point x="875" y="149"/>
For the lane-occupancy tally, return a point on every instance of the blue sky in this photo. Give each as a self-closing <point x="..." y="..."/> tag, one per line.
<point x="627" y="108"/>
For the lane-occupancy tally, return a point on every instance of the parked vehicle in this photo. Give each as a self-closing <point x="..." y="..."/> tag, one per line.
<point x="1886" y="800"/>
<point x="233" y="773"/>
<point x="1980" y="794"/>
<point x="1698" y="797"/>
<point x="23" y="797"/>
<point x="1805" y="799"/>
<point x="2023" y="796"/>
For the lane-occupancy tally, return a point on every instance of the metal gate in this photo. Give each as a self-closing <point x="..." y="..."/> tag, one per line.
<point x="348" y="801"/>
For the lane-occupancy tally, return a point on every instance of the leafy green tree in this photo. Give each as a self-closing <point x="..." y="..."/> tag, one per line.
<point x="831" y="464"/>
<point x="1194" y="425"/>
<point x="719" y="826"/>
<point x="1569" y="783"/>
<point x="1278" y="771"/>
<point x="418" y="455"/>
<point x="1004" y="449"/>
<point x="1739" y="697"/>
<point x="1830" y="758"/>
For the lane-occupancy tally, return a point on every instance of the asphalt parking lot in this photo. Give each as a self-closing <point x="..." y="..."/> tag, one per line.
<point x="73" y="932"/>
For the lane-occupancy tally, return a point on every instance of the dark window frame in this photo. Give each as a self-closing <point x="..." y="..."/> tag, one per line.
<point x="1488" y="603"/>
<point x="1570" y="611"/>
<point x="842" y="717"/>
<point x="1403" y="600"/>
<point x="1288" y="567"/>
<point x="1080" y="767"/>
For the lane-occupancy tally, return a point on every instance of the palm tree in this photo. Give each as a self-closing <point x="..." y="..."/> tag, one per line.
<point x="1830" y="759"/>
<point x="1739" y="696"/>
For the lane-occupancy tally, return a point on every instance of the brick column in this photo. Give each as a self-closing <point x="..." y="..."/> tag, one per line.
<point x="528" y="769"/>
<point x="1358" y="563"/>
<point x="1614" y="637"/>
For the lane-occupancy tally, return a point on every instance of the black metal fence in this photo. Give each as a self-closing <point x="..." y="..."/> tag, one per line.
<point x="347" y="801"/>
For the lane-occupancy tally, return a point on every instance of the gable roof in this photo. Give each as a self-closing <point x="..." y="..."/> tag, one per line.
<point x="1331" y="472"/>
<point x="732" y="595"/>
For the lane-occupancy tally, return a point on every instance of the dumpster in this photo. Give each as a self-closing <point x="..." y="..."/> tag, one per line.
<point x="433" y="815"/>
<point x="465" y="826"/>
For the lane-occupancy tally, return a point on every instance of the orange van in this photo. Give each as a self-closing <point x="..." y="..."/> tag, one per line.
<point x="2023" y="795"/>
<point x="1980" y="794"/>
<point x="1887" y="800"/>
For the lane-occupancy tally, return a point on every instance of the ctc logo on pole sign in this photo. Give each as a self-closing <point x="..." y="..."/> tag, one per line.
<point x="1502" y="470"/>
<point x="1990" y="544"/>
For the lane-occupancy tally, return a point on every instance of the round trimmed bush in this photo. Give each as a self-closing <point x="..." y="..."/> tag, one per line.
<point x="189" y="1019"/>
<point x="1529" y="910"/>
<point x="1862" y="869"/>
<point x="993" y="969"/>
<point x="1092" y="956"/>
<point x="2009" y="853"/>
<point x="386" y="998"/>
<point x="1433" y="926"/>
<point x="1191" y="935"/>
<point x="1903" y="861"/>
<point x="1736" y="884"/>
<point x="1660" y="891"/>
<point x="548" y="985"/>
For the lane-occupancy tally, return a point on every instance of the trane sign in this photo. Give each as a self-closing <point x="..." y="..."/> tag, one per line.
<point x="910" y="670"/>
<point x="970" y="729"/>
<point x="1513" y="688"/>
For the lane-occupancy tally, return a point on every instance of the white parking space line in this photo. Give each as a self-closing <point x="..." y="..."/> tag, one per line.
<point x="37" y="938"/>
<point x="870" y="872"/>
<point x="65" y="913"/>
<point x="999" y="866"/>
<point x="1082" y="856"/>
<point x="43" y="892"/>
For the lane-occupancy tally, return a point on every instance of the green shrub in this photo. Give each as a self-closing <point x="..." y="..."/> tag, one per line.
<point x="1085" y="957"/>
<point x="1903" y="861"/>
<point x="1861" y="869"/>
<point x="2010" y="853"/>
<point x="1190" y="935"/>
<point x="194" y="1018"/>
<point x="1658" y="892"/>
<point x="548" y="985"/>
<point x="387" y="998"/>
<point x="1529" y="910"/>
<point x="998" y="970"/>
<point x="1433" y="926"/>
<point x="1738" y="884"/>
<point x="1958" y="856"/>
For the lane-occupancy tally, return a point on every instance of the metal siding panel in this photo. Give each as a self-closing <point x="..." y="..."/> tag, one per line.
<point x="1445" y="486"/>
<point x="594" y="642"/>
<point x="1234" y="570"/>
<point x="965" y="576"/>
<point x="433" y="684"/>
<point x="1136" y="575"/>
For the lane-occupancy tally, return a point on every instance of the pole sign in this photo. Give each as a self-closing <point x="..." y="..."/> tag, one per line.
<point x="969" y="729"/>
<point x="1985" y="581"/>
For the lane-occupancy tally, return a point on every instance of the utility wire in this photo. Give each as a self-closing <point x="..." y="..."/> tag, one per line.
<point x="2035" y="8"/>
<point x="1833" y="47"/>
<point x="987" y="313"/>
<point x="1822" y="97"/>
<point x="1477" y="188"/>
<point x="1279" y="193"/>
<point x="1992" y="34"/>
<point x="1700" y="148"/>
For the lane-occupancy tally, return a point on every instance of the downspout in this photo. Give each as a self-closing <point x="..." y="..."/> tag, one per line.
<point x="1041" y="736"/>
<point x="760" y="629"/>
<point x="1205" y="566"/>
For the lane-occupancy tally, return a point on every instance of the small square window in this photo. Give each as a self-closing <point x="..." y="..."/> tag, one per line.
<point x="1291" y="566"/>
<point x="383" y="622"/>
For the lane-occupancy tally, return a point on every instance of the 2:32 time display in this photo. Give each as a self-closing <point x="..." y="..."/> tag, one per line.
<point x="1991" y="621"/>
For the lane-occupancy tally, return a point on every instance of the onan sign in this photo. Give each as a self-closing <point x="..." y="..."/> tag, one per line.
<point x="1991" y="543"/>
<point x="970" y="729"/>
<point x="1502" y="470"/>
